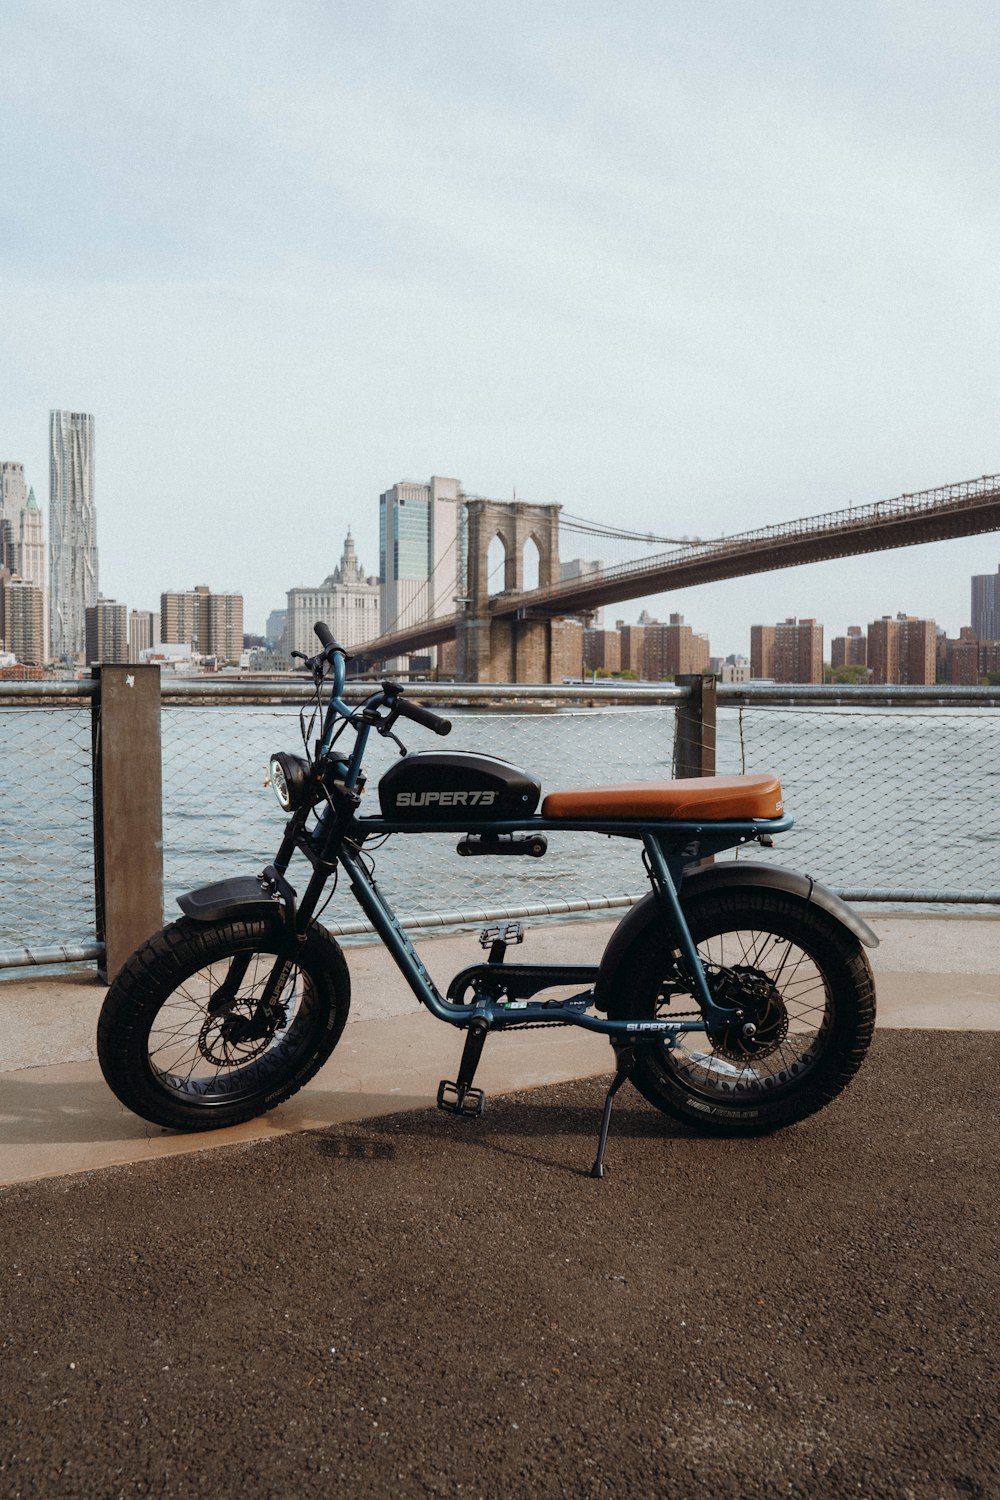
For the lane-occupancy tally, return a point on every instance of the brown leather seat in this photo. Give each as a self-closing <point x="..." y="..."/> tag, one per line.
<point x="696" y="799"/>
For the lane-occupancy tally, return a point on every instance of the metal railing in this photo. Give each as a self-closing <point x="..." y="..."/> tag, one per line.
<point x="893" y="791"/>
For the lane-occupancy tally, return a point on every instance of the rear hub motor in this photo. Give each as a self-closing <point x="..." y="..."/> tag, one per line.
<point x="763" y="1024"/>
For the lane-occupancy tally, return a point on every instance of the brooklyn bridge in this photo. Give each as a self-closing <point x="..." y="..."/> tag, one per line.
<point x="507" y="636"/>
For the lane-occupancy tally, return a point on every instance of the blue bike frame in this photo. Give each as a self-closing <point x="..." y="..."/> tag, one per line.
<point x="669" y="847"/>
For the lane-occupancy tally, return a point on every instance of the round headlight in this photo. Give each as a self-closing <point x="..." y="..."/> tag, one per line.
<point x="289" y="776"/>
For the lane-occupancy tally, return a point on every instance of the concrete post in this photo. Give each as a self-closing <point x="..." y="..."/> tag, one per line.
<point x="128" y="811"/>
<point x="694" y="744"/>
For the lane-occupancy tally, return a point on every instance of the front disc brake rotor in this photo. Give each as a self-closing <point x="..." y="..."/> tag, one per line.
<point x="237" y="1036"/>
<point x="763" y="1025"/>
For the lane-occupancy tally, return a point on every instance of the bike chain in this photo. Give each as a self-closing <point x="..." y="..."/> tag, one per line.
<point x="678" y="1015"/>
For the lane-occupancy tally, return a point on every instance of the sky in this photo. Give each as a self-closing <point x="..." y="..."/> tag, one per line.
<point x="691" y="267"/>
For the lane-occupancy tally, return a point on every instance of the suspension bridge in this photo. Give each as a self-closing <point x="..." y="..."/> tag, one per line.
<point x="488" y="625"/>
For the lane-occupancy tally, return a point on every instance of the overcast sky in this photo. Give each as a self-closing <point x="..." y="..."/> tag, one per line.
<point x="692" y="266"/>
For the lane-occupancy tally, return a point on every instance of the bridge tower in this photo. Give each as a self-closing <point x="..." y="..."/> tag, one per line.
<point x="524" y="647"/>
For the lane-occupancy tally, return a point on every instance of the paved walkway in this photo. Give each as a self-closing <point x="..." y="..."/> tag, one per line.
<point x="406" y="1304"/>
<point x="423" y="1306"/>
<point x="57" y="1116"/>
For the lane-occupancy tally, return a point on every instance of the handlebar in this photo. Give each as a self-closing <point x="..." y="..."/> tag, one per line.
<point x="391" y="695"/>
<point x="421" y="715"/>
<point x="326" y="639"/>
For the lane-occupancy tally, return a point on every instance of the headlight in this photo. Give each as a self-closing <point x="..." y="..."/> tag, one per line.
<point x="289" y="776"/>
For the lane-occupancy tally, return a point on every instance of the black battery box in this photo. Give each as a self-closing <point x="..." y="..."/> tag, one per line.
<point x="456" y="786"/>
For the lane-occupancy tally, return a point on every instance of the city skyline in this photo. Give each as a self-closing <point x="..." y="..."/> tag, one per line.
<point x="794" y="584"/>
<point x="699" y="269"/>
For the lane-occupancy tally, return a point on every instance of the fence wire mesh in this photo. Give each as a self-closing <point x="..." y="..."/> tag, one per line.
<point x="220" y="819"/>
<point x="47" y="868"/>
<point x="892" y="803"/>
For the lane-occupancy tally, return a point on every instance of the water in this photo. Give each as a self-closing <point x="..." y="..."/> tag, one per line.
<point x="887" y="799"/>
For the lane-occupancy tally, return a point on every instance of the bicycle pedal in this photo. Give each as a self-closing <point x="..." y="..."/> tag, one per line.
<point x="512" y="932"/>
<point x="457" y="1101"/>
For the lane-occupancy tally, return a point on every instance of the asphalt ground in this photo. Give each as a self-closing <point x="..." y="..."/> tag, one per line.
<point x="423" y="1305"/>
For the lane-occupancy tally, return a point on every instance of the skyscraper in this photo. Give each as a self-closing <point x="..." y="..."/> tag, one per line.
<point x="421" y="552"/>
<point x="798" y="651"/>
<point x="672" y="648"/>
<point x="72" y="531"/>
<point x="986" y="606"/>
<point x="13" y="499"/>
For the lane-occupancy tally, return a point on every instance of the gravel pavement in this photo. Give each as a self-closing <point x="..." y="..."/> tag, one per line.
<point x="419" y="1305"/>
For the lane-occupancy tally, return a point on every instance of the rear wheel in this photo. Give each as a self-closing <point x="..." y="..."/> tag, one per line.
<point x="804" y="986"/>
<point x="186" y="1038"/>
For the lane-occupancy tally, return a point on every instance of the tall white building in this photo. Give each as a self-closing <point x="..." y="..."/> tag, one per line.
<point x="422" y="541"/>
<point x="347" y="601"/>
<point x="72" y="531"/>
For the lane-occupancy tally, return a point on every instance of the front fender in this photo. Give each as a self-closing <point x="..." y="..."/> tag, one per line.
<point x="727" y="873"/>
<point x="240" y="896"/>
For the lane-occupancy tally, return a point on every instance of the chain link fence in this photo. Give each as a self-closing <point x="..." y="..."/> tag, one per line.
<point x="891" y="802"/>
<point x="47" y="844"/>
<point x="234" y="825"/>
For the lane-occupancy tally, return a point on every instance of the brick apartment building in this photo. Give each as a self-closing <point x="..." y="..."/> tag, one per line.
<point x="850" y="650"/>
<point x="672" y="648"/>
<point x="902" y="649"/>
<point x="211" y="623"/>
<point x="22" y="619"/>
<point x="789" y="652"/>
<point x="602" y="650"/>
<point x="106" y="631"/>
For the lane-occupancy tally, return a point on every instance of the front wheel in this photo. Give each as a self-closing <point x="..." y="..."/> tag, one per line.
<point x="805" y="989"/>
<point x="188" y="1036"/>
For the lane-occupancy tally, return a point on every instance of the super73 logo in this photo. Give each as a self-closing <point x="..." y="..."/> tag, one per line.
<point x="446" y="799"/>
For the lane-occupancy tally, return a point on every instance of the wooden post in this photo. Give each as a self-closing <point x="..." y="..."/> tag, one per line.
<point x="694" y="746"/>
<point x="128" y="811"/>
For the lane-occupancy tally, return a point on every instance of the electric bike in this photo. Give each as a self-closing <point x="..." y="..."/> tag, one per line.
<point x="737" y="996"/>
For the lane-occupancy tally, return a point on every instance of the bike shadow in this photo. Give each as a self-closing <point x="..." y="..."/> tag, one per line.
<point x="505" y="1130"/>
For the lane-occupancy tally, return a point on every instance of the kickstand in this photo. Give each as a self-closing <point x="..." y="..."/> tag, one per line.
<point x="626" y="1058"/>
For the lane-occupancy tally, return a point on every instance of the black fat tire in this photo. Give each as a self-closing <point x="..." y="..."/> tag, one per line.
<point x="159" y="972"/>
<point x="772" y="1095"/>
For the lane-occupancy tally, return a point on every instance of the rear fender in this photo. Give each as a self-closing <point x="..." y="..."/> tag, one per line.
<point x="731" y="875"/>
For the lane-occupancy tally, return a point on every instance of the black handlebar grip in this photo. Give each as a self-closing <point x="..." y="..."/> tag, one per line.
<point x="423" y="716"/>
<point x="325" y="636"/>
